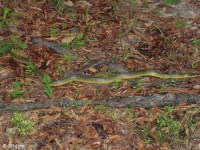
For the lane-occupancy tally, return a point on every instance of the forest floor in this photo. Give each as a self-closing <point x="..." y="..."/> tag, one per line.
<point x="104" y="37"/>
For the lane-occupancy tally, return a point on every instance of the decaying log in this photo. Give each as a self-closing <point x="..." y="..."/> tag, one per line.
<point x="158" y="100"/>
<point x="54" y="47"/>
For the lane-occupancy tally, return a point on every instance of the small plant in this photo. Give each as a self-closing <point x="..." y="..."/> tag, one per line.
<point x="180" y="24"/>
<point x="24" y="126"/>
<point x="116" y="84"/>
<point x="30" y="68"/>
<point x="6" y="17"/>
<point x="167" y="127"/>
<point x="53" y="32"/>
<point x="161" y="89"/>
<point x="100" y="107"/>
<point x="17" y="90"/>
<point x="171" y="1"/>
<point x="145" y="131"/>
<point x="76" y="42"/>
<point x="133" y="2"/>
<point x="68" y="58"/>
<point x="58" y="68"/>
<point x="14" y="44"/>
<point x="173" y="82"/>
<point x="76" y="95"/>
<point x="139" y="85"/>
<point x="75" y="104"/>
<point x="47" y="88"/>
<point x="196" y="42"/>
<point x="59" y="5"/>
<point x="115" y="7"/>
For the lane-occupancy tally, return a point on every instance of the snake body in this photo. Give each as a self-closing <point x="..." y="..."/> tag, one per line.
<point x="122" y="76"/>
<point x="102" y="80"/>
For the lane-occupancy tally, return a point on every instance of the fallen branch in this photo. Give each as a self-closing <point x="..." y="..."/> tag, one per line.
<point x="54" y="47"/>
<point x="133" y="102"/>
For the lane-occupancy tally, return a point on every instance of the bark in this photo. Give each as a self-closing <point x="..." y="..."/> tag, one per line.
<point x="54" y="47"/>
<point x="158" y="100"/>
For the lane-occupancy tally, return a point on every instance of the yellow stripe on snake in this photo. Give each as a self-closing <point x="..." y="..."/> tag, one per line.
<point x="99" y="80"/>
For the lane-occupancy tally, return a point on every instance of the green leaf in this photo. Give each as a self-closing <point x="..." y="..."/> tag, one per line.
<point x="14" y="14"/>
<point x="16" y="85"/>
<point x="17" y="42"/>
<point x="78" y="37"/>
<point x="80" y="44"/>
<point x="30" y="67"/>
<point x="46" y="79"/>
<point x="5" y="47"/>
<point x="196" y="42"/>
<point x="24" y="125"/>
<point x="15" y="94"/>
<point x="118" y="81"/>
<point x="65" y="44"/>
<point x="168" y="109"/>
<point x="48" y="90"/>
<point x="171" y="1"/>
<point x="5" y="12"/>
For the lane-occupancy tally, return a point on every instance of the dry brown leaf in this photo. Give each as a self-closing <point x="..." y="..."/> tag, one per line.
<point x="91" y="134"/>
<point x="196" y="87"/>
<point x="164" y="146"/>
<point x="92" y="69"/>
<point x="76" y="140"/>
<point x="95" y="144"/>
<point x="114" y="138"/>
<point x="140" y="144"/>
<point x="68" y="39"/>
<point x="69" y="3"/>
<point x="51" y="117"/>
<point x="41" y="135"/>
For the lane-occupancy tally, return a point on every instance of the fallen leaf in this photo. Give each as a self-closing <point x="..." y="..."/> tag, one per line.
<point x="114" y="138"/>
<point x="69" y="3"/>
<point x="68" y="39"/>
<point x="140" y="144"/>
<point x="92" y="69"/>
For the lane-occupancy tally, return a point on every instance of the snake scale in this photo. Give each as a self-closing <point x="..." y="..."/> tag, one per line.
<point x="101" y="80"/>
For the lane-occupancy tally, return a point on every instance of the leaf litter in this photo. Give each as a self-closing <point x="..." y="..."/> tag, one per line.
<point x="140" y="35"/>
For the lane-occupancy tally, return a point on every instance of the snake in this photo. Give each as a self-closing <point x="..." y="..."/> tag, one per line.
<point x="106" y="80"/>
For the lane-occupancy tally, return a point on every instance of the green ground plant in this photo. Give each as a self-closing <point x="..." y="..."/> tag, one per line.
<point x="116" y="84"/>
<point x="53" y="31"/>
<point x="100" y="107"/>
<point x="76" y="95"/>
<point x="67" y="58"/>
<point x="180" y="24"/>
<point x="24" y="126"/>
<point x="161" y="89"/>
<point x="75" y="104"/>
<point x="167" y="127"/>
<point x="17" y="90"/>
<point x="116" y="7"/>
<point x="47" y="88"/>
<point x="59" y="5"/>
<point x="14" y="44"/>
<point x="132" y="2"/>
<point x="196" y="42"/>
<point x="171" y="1"/>
<point x="145" y="130"/>
<point x="30" y="68"/>
<point x="7" y="17"/>
<point x="196" y="52"/>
